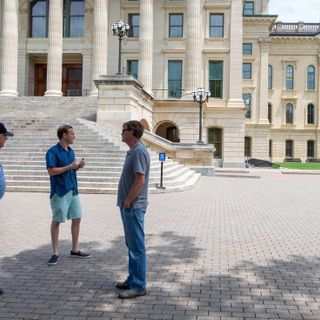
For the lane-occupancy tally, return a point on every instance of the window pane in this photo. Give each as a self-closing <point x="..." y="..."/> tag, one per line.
<point x="289" y="78"/>
<point x="247" y="49"/>
<point x="39" y="27"/>
<point x="215" y="137"/>
<point x="75" y="74"/>
<point x="134" y="22"/>
<point x="270" y="112"/>
<point x="216" y="25"/>
<point x="132" y="66"/>
<point x="174" y="78"/>
<point x="76" y="27"/>
<point x="289" y="148"/>
<point x="176" y="19"/>
<point x="77" y="8"/>
<point x="310" y="114"/>
<point x="247" y="102"/>
<point x="269" y="77"/>
<point x="39" y="8"/>
<point x="247" y="147"/>
<point x="248" y="8"/>
<point x="247" y="71"/>
<point x="310" y="149"/>
<point x="311" y="78"/>
<point x="216" y="78"/>
<point x="175" y="32"/>
<point x="289" y="113"/>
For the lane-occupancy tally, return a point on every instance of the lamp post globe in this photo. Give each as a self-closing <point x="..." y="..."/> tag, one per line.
<point x="200" y="96"/>
<point x="120" y="29"/>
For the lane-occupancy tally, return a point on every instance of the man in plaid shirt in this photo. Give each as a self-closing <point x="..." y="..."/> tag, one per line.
<point x="4" y="134"/>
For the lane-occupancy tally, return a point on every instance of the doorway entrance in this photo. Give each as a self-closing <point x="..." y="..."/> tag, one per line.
<point x="71" y="79"/>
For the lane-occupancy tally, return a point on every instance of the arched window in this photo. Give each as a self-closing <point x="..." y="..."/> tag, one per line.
<point x="169" y="131"/>
<point x="311" y="78"/>
<point x="289" y="77"/>
<point x="38" y="19"/>
<point x="270" y="112"/>
<point x="310" y="114"/>
<point x="289" y="113"/>
<point x="269" y="77"/>
<point x="74" y="11"/>
<point x="215" y="137"/>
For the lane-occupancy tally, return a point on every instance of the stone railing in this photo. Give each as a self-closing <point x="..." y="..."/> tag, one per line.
<point x="198" y="157"/>
<point x="295" y="28"/>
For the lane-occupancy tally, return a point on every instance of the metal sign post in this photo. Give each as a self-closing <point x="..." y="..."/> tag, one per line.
<point x="162" y="158"/>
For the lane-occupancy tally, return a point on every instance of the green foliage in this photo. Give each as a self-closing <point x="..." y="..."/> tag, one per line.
<point x="298" y="165"/>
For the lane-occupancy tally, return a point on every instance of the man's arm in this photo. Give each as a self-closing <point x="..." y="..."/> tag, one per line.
<point x="59" y="170"/>
<point x="135" y="189"/>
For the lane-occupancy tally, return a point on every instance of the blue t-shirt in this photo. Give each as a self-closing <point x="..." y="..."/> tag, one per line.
<point x="2" y="182"/>
<point x="137" y="161"/>
<point x="62" y="183"/>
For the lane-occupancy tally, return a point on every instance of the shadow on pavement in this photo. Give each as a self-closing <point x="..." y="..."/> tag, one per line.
<point x="182" y="285"/>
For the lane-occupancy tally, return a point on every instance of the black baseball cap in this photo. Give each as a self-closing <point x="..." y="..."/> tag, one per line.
<point x="4" y="131"/>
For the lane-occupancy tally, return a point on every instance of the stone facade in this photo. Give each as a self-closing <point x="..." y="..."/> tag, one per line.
<point x="213" y="34"/>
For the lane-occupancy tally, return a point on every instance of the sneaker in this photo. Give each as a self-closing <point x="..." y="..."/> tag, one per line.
<point x="79" y="254"/>
<point x="53" y="260"/>
<point x="129" y="294"/>
<point x="122" y="285"/>
<point x="1" y="292"/>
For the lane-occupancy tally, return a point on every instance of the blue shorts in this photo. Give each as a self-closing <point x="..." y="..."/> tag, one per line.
<point x="66" y="207"/>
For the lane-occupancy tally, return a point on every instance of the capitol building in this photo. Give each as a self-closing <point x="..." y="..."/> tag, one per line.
<point x="263" y="74"/>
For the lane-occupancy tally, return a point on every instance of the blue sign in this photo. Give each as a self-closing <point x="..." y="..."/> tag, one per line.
<point x="162" y="156"/>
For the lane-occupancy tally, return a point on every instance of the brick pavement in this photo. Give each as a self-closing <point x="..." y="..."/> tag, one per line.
<point x="232" y="248"/>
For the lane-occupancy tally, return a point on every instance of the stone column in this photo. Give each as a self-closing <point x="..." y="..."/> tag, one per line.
<point x="146" y="44"/>
<point x="54" y="68"/>
<point x="9" y="65"/>
<point x="263" y="96"/>
<point x="100" y="42"/>
<point x="193" y="46"/>
<point x="235" y="76"/>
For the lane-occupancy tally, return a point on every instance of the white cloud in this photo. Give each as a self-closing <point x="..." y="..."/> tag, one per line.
<point x="296" y="10"/>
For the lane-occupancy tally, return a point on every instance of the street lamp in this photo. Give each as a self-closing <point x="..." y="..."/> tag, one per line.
<point x="200" y="95"/>
<point x="120" y="29"/>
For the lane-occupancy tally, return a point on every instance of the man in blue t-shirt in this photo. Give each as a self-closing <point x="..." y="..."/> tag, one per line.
<point x="64" y="199"/>
<point x="4" y="134"/>
<point x="132" y="202"/>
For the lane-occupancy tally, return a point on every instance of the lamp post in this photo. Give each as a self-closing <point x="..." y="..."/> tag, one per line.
<point x="120" y="29"/>
<point x="200" y="95"/>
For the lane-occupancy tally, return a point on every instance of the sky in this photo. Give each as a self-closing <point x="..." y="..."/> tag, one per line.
<point x="296" y="10"/>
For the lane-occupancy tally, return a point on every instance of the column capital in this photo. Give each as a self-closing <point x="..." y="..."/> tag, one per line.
<point x="264" y="43"/>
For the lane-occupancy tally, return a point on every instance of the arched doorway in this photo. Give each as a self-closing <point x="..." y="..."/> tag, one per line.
<point x="169" y="131"/>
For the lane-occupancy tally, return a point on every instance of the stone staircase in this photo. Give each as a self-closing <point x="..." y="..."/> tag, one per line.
<point x="23" y="157"/>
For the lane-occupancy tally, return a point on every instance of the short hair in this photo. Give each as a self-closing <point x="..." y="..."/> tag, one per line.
<point x="63" y="129"/>
<point x="136" y="127"/>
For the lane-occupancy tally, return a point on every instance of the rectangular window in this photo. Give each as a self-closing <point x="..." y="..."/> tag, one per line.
<point x="247" y="49"/>
<point x="134" y="23"/>
<point x="174" y="78"/>
<point x="289" y="149"/>
<point x="132" y="68"/>
<point x="216" y="78"/>
<point x="38" y="17"/>
<point x="215" y="137"/>
<point x="74" y="18"/>
<point x="247" y="146"/>
<point x="270" y="148"/>
<point x="247" y="71"/>
<point x="247" y="103"/>
<point x="216" y="25"/>
<point x="248" y="9"/>
<point x="310" y="151"/>
<point x="175" y="25"/>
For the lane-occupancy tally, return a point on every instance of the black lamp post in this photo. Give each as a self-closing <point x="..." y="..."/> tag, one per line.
<point x="120" y="29"/>
<point x="200" y="95"/>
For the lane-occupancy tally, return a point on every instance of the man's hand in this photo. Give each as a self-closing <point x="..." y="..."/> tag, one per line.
<point x="81" y="164"/>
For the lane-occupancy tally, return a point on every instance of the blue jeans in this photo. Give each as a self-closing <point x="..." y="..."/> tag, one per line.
<point x="133" y="224"/>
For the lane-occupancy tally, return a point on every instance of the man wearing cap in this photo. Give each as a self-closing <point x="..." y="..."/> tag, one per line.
<point x="4" y="134"/>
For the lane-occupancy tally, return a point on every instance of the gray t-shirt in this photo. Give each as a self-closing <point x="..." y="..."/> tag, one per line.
<point x="137" y="161"/>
